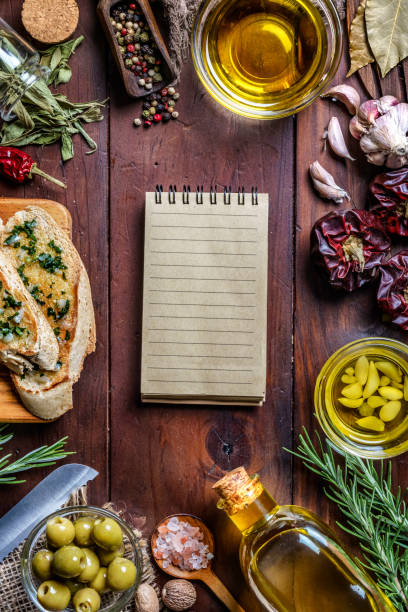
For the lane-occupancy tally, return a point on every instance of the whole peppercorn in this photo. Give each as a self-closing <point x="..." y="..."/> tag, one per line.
<point x="129" y="39"/>
<point x="142" y="82"/>
<point x="148" y="85"/>
<point x="159" y="107"/>
<point x="171" y="103"/>
<point x="152" y="110"/>
<point x="119" y="26"/>
<point x="134" y="59"/>
<point x="157" y="78"/>
<point x="122" y="50"/>
<point x="148" y="80"/>
<point x="157" y="118"/>
<point x="129" y="24"/>
<point x="166" y="116"/>
<point x="174" y="115"/>
<point x="146" y="105"/>
<point x="128" y="63"/>
<point x="176" y="96"/>
<point x="131" y="48"/>
<point x="137" y="122"/>
<point x="144" y="37"/>
<point x="122" y="16"/>
<point x="171" y="91"/>
<point x="147" y="123"/>
<point x="132" y="6"/>
<point x="121" y="40"/>
<point x="123" y="31"/>
<point x="164" y="92"/>
<point x="145" y="114"/>
<point x="154" y="103"/>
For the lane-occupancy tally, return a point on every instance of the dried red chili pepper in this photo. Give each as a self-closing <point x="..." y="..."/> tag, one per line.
<point x="19" y="167"/>
<point x="392" y="295"/>
<point x="348" y="246"/>
<point x="389" y="200"/>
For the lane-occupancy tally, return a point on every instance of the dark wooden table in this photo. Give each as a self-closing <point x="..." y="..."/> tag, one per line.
<point x="164" y="459"/>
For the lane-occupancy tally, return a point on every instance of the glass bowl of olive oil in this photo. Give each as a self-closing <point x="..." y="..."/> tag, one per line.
<point x="361" y="398"/>
<point x="266" y="59"/>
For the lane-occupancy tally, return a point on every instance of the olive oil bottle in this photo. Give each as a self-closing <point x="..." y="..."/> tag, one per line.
<point x="290" y="558"/>
<point x="268" y="52"/>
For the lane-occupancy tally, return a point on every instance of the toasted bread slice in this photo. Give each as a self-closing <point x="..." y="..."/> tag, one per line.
<point x="50" y="267"/>
<point x="26" y="338"/>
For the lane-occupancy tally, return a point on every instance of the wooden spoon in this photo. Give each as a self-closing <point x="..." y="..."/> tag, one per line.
<point x="205" y="575"/>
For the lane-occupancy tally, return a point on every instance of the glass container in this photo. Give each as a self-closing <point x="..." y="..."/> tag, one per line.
<point x="19" y="69"/>
<point x="338" y="424"/>
<point x="110" y="602"/>
<point x="266" y="59"/>
<point x="292" y="561"/>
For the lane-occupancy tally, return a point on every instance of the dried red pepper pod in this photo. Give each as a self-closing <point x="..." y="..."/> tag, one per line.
<point x="19" y="167"/>
<point x="389" y="200"/>
<point x="392" y="295"/>
<point x="348" y="246"/>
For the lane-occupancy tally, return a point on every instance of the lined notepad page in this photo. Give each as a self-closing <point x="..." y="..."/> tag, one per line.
<point x="205" y="300"/>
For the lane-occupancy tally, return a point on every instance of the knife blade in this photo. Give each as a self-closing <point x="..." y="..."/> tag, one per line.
<point x="49" y="495"/>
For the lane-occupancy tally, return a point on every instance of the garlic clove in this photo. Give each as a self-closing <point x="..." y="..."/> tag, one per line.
<point x="377" y="158"/>
<point x="368" y="112"/>
<point x="319" y="173"/>
<point x="385" y="103"/>
<point x="325" y="184"/>
<point x="345" y="94"/>
<point x="336" y="139"/>
<point x="357" y="129"/>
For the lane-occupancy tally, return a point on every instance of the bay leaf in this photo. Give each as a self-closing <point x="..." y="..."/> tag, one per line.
<point x="360" y="52"/>
<point x="63" y="75"/>
<point x="55" y="58"/>
<point x="386" y="23"/>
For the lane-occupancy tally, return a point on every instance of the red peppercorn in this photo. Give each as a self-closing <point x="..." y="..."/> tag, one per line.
<point x="147" y="123"/>
<point x="144" y="69"/>
<point x="138" y="63"/>
<point x="166" y="106"/>
<point x="132" y="7"/>
<point x="130" y="48"/>
<point x="123" y="32"/>
<point x="157" y="118"/>
<point x="164" y="91"/>
<point x="157" y="62"/>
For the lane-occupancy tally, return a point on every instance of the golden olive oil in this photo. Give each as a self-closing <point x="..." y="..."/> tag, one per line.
<point x="344" y="419"/>
<point x="268" y="52"/>
<point x="290" y="558"/>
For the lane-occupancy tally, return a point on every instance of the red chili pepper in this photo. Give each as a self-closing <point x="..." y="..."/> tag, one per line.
<point x="392" y="295"/>
<point x="389" y="200"/>
<point x="19" y="167"/>
<point x="348" y="246"/>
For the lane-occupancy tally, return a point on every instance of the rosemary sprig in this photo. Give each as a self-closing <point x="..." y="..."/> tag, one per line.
<point x="40" y="457"/>
<point x="374" y="514"/>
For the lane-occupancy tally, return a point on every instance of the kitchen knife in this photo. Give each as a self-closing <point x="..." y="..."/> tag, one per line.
<point x="49" y="495"/>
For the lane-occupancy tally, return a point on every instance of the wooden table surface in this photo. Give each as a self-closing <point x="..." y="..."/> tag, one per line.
<point x="163" y="459"/>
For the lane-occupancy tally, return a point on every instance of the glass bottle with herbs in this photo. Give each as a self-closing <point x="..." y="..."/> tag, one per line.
<point x="291" y="560"/>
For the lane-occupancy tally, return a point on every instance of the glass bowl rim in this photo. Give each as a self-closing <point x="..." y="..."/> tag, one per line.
<point x="337" y="38"/>
<point x="341" y="443"/>
<point x="28" y="584"/>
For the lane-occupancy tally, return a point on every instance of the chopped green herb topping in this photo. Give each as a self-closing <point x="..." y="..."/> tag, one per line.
<point x="54" y="247"/>
<point x="36" y="293"/>
<point x="67" y="335"/>
<point x="50" y="263"/>
<point x="23" y="277"/>
<point x="58" y="314"/>
<point x="57" y="331"/>
<point x="10" y="301"/>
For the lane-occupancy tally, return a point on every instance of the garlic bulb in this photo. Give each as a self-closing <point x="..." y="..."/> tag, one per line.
<point x="381" y="126"/>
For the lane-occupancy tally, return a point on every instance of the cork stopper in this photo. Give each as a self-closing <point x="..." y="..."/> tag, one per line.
<point x="237" y="490"/>
<point x="50" y="21"/>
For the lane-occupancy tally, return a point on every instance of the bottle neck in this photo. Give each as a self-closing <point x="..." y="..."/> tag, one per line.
<point x="256" y="513"/>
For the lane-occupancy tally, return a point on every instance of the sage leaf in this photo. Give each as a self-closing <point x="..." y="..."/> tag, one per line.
<point x="386" y="23"/>
<point x="55" y="58"/>
<point x="63" y="76"/>
<point x="360" y="52"/>
<point x="67" y="149"/>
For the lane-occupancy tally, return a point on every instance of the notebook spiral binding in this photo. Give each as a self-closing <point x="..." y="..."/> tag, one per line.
<point x="186" y="195"/>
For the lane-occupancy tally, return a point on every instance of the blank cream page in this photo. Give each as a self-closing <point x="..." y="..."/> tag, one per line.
<point x="204" y="299"/>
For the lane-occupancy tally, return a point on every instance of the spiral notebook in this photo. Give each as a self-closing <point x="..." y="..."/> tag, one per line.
<point x="205" y="297"/>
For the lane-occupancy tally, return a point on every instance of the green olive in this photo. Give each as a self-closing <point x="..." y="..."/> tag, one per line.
<point x="86" y="600"/>
<point x="60" y="531"/>
<point x="92" y="566"/>
<point x="83" y="531"/>
<point x="42" y="564"/>
<point x="99" y="583"/>
<point x="107" y="534"/>
<point x="105" y="556"/>
<point x="73" y="585"/>
<point x="69" y="561"/>
<point x="121" y="574"/>
<point x="53" y="595"/>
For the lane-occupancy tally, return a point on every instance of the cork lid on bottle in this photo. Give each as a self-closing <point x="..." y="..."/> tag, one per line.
<point x="237" y="490"/>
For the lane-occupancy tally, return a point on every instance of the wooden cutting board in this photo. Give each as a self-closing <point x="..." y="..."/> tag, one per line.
<point x="11" y="409"/>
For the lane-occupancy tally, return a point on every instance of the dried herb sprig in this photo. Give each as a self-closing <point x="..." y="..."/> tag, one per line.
<point x="374" y="514"/>
<point x="40" y="457"/>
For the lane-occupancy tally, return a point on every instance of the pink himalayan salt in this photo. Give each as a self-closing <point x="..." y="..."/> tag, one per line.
<point x="181" y="544"/>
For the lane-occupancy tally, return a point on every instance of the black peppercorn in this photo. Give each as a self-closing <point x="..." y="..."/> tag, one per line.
<point x="166" y="116"/>
<point x="160" y="107"/>
<point x="146" y="105"/>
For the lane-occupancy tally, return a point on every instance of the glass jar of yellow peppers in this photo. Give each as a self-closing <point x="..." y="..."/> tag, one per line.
<point x="361" y="397"/>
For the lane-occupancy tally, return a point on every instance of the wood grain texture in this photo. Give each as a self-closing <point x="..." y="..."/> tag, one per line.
<point x="11" y="409"/>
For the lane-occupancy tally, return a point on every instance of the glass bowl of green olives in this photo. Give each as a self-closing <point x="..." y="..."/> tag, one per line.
<point x="81" y="558"/>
